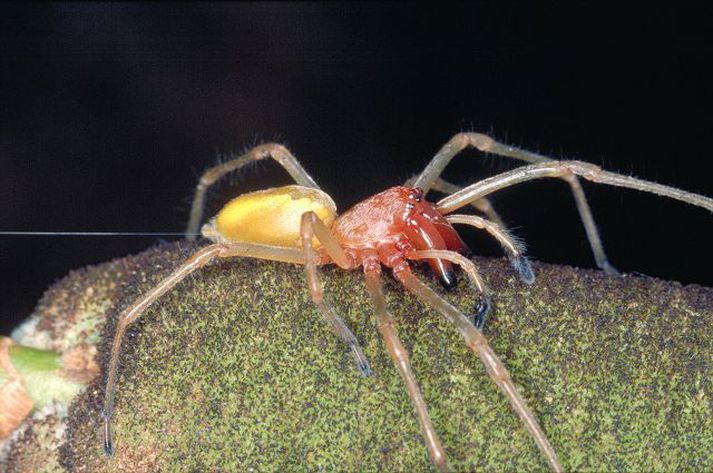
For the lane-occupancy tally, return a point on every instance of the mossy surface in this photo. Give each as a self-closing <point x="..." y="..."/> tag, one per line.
<point x="36" y="448"/>
<point x="235" y="370"/>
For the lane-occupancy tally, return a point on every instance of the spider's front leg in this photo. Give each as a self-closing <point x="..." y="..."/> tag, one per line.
<point x="559" y="169"/>
<point x="430" y="177"/>
<point x="514" y="249"/>
<point x="312" y="226"/>
<point x="482" y="307"/>
<point x="482" y="205"/>
<point x="493" y="365"/>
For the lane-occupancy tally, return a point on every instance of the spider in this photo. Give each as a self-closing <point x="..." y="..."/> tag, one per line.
<point x="299" y="224"/>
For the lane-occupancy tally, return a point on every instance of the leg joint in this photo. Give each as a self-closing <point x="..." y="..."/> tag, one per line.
<point x="316" y="293"/>
<point x="307" y="226"/>
<point x="385" y="326"/>
<point x="477" y="343"/>
<point x="480" y="141"/>
<point x="274" y="150"/>
<point x="400" y="270"/>
<point x="207" y="179"/>
<point x="586" y="170"/>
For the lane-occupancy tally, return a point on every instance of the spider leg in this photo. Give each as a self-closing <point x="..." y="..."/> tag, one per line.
<point x="399" y="355"/>
<point x="445" y="187"/>
<point x="514" y="249"/>
<point x="312" y="226"/>
<point x="484" y="205"/>
<point x="487" y="144"/>
<point x="495" y="226"/>
<point x="199" y="259"/>
<point x="478" y="344"/>
<point x="269" y="150"/>
<point x="482" y="306"/>
<point x="565" y="168"/>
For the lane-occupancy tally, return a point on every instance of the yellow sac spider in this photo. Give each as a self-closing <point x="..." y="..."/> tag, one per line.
<point x="299" y="224"/>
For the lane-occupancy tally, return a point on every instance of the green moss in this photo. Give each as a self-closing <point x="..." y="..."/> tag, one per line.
<point x="26" y="359"/>
<point x="235" y="369"/>
<point x="40" y="371"/>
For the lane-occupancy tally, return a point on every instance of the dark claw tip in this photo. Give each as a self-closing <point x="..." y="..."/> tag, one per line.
<point x="361" y="361"/>
<point x="480" y="315"/>
<point x="524" y="268"/>
<point x="108" y="443"/>
<point x="108" y="448"/>
<point x="364" y="369"/>
<point x="449" y="280"/>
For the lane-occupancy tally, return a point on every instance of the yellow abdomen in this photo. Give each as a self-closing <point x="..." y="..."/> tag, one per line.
<point x="272" y="216"/>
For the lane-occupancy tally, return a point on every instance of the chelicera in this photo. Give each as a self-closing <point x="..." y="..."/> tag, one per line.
<point x="299" y="224"/>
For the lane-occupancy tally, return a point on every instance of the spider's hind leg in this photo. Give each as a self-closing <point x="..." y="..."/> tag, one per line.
<point x="133" y="312"/>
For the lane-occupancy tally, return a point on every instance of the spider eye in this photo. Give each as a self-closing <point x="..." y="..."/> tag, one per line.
<point x="416" y="194"/>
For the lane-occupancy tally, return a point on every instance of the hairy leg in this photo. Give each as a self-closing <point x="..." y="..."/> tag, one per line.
<point x="478" y="344"/>
<point x="484" y="143"/>
<point x="559" y="169"/>
<point x="135" y="310"/>
<point x="386" y="325"/>
<point x="312" y="226"/>
<point x="270" y="150"/>
<point x="445" y="187"/>
<point x="483" y="205"/>
<point x="482" y="306"/>
<point x="513" y="248"/>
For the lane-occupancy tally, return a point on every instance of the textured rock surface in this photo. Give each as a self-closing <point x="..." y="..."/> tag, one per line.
<point x="235" y="369"/>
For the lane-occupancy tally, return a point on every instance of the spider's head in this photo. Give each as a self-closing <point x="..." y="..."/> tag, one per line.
<point x="427" y="228"/>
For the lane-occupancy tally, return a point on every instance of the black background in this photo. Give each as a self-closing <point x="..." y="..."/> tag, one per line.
<point x="109" y="112"/>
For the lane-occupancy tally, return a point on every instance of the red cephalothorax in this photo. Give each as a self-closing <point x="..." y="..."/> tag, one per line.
<point x="394" y="222"/>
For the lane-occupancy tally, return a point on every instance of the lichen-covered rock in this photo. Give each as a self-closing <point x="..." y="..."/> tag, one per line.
<point x="236" y="370"/>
